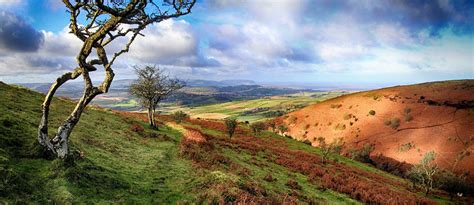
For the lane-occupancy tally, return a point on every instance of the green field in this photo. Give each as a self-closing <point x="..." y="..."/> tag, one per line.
<point x="242" y="110"/>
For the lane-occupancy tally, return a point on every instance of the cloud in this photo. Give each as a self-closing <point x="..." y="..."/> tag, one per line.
<point x="9" y="3"/>
<point x="164" y="42"/>
<point x="18" y="36"/>
<point x="305" y="39"/>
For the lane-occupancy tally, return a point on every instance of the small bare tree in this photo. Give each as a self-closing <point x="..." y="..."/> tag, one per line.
<point x="98" y="23"/>
<point x="151" y="87"/>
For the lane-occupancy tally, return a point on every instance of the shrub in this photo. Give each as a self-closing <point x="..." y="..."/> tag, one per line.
<point x="231" y="125"/>
<point x="334" y="147"/>
<point x="307" y="126"/>
<point x="362" y="155"/>
<point x="372" y="112"/>
<point x="395" y="123"/>
<point x="405" y="147"/>
<point x="340" y="126"/>
<point x="282" y="129"/>
<point x="269" y="178"/>
<point x="407" y="110"/>
<point x="408" y="118"/>
<point x="293" y="119"/>
<point x="306" y="141"/>
<point x="257" y="127"/>
<point x="293" y="184"/>
<point x="423" y="172"/>
<point x="272" y="124"/>
<point x="336" y="106"/>
<point x="135" y="127"/>
<point x="453" y="183"/>
<point x="347" y="116"/>
<point x="179" y="116"/>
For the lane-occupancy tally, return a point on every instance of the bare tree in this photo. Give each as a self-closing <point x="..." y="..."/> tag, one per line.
<point x="151" y="87"/>
<point x="97" y="23"/>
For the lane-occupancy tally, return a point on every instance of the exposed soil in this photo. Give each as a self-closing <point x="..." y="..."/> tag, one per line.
<point x="403" y="122"/>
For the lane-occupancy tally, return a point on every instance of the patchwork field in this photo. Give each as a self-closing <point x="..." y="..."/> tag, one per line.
<point x="258" y="109"/>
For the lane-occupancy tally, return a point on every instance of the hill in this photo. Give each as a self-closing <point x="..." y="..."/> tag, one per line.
<point x="402" y="122"/>
<point x="196" y="93"/>
<point x="117" y="159"/>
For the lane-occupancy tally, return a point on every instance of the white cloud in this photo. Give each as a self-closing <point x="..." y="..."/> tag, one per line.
<point x="9" y="3"/>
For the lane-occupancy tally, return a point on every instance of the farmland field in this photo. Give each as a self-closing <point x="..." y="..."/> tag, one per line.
<point x="257" y="109"/>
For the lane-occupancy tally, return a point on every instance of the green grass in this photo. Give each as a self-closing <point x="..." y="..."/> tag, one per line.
<point x="119" y="166"/>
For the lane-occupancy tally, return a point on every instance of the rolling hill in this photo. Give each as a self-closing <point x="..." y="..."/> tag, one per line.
<point x="402" y="122"/>
<point x="118" y="159"/>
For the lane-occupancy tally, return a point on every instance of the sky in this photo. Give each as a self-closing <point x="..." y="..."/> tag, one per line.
<point x="270" y="41"/>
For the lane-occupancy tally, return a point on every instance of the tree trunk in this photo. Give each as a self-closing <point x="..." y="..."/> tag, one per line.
<point x="151" y="119"/>
<point x="43" y="126"/>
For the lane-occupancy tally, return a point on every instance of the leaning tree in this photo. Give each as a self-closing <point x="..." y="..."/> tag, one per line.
<point x="98" y="23"/>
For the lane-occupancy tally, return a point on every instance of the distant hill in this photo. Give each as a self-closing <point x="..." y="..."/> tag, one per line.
<point x="402" y="122"/>
<point x="196" y="92"/>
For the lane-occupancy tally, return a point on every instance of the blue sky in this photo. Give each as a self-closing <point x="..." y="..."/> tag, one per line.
<point x="301" y="41"/>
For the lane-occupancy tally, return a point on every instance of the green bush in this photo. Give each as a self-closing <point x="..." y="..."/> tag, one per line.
<point x="453" y="183"/>
<point x="372" y="112"/>
<point x="407" y="110"/>
<point x="363" y="154"/>
<point x="408" y="118"/>
<point x="231" y="125"/>
<point x="179" y="116"/>
<point x="395" y="123"/>
<point x="405" y="147"/>
<point x="257" y="127"/>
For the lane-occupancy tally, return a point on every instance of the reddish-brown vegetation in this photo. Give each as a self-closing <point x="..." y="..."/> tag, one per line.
<point x="434" y="116"/>
<point x="361" y="185"/>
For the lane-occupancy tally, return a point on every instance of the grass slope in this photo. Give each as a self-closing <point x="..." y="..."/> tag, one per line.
<point x="119" y="165"/>
<point x="119" y="160"/>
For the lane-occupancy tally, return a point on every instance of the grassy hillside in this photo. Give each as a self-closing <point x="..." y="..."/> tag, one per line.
<point x="258" y="109"/>
<point x="119" y="160"/>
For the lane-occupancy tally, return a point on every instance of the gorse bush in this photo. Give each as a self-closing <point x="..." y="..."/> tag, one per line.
<point x="372" y="112"/>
